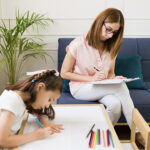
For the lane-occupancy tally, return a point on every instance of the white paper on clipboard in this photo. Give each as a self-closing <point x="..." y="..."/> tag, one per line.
<point x="114" y="81"/>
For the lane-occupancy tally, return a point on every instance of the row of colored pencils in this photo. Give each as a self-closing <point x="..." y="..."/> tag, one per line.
<point x="95" y="138"/>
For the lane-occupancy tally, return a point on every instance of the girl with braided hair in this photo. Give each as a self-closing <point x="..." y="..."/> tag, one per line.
<point x="34" y="94"/>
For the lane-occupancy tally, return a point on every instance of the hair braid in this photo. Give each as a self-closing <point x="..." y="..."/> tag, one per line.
<point x="52" y="82"/>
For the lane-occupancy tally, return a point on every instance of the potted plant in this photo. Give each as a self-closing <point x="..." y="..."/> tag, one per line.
<point x="16" y="48"/>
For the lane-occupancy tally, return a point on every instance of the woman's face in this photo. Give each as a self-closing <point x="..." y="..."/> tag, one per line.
<point x="108" y="30"/>
<point x="44" y="97"/>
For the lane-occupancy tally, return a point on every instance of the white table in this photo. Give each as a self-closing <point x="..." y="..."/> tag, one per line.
<point x="77" y="121"/>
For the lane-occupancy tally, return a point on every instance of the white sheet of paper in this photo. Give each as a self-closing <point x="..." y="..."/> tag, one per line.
<point x="114" y="81"/>
<point x="77" y="122"/>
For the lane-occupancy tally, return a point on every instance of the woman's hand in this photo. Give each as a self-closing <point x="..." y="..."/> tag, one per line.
<point x="99" y="75"/>
<point x="117" y="77"/>
<point x="43" y="133"/>
<point x="120" y="77"/>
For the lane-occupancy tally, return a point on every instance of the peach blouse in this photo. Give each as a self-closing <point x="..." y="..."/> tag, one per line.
<point x="87" y="58"/>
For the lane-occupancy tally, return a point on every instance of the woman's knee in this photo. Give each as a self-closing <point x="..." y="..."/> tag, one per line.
<point x="116" y="107"/>
<point x="112" y="103"/>
<point x="123" y="88"/>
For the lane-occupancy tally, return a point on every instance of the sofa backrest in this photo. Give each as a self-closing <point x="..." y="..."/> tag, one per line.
<point x="130" y="46"/>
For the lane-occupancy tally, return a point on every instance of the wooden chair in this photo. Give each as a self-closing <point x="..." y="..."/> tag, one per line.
<point x="139" y="123"/>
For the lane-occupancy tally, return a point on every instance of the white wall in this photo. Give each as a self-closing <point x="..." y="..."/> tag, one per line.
<point x="72" y="18"/>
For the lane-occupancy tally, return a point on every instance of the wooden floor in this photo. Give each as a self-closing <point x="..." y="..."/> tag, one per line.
<point x="127" y="146"/>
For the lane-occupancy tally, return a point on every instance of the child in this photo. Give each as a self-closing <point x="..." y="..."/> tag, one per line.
<point x="34" y="94"/>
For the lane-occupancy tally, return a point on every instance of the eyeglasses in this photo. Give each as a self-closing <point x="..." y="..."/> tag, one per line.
<point x="110" y="31"/>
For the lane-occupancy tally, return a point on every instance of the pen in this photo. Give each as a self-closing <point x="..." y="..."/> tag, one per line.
<point x="39" y="123"/>
<point x="95" y="68"/>
<point x="101" y="73"/>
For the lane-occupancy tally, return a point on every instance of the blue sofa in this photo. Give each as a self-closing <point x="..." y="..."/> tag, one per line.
<point x="130" y="46"/>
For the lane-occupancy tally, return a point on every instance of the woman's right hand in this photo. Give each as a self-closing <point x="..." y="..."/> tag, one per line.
<point x="43" y="133"/>
<point x="99" y="75"/>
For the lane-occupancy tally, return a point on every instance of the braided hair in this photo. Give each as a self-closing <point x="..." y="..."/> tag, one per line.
<point x="52" y="82"/>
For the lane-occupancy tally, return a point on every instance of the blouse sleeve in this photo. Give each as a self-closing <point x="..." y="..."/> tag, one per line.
<point x="74" y="46"/>
<point x="10" y="104"/>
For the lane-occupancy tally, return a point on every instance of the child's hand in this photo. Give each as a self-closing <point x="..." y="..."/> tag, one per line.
<point x="42" y="133"/>
<point x="54" y="127"/>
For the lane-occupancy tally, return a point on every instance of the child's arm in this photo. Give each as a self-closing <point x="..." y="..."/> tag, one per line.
<point x="7" y="140"/>
<point x="54" y="127"/>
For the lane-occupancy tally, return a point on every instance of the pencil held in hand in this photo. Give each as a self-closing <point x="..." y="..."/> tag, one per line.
<point x="39" y="123"/>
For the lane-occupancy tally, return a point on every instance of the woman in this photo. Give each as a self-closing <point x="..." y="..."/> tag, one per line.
<point x="91" y="57"/>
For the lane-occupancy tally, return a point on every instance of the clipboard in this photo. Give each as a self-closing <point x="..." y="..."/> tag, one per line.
<point x="114" y="81"/>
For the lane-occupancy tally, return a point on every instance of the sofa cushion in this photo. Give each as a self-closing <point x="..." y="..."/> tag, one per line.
<point x="143" y="45"/>
<point x="66" y="87"/>
<point x="62" y="44"/>
<point x="130" y="66"/>
<point x="141" y="100"/>
<point x="66" y="98"/>
<point x="148" y="85"/>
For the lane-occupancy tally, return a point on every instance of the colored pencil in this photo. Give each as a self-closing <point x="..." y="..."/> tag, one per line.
<point x="94" y="144"/>
<point x="39" y="123"/>
<point x="99" y="136"/>
<point x="103" y="138"/>
<point x="90" y="130"/>
<point x="111" y="138"/>
<point x="90" y="138"/>
<point x="107" y="137"/>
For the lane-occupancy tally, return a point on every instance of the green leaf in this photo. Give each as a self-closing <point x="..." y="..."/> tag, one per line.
<point x="2" y="62"/>
<point x="15" y="48"/>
